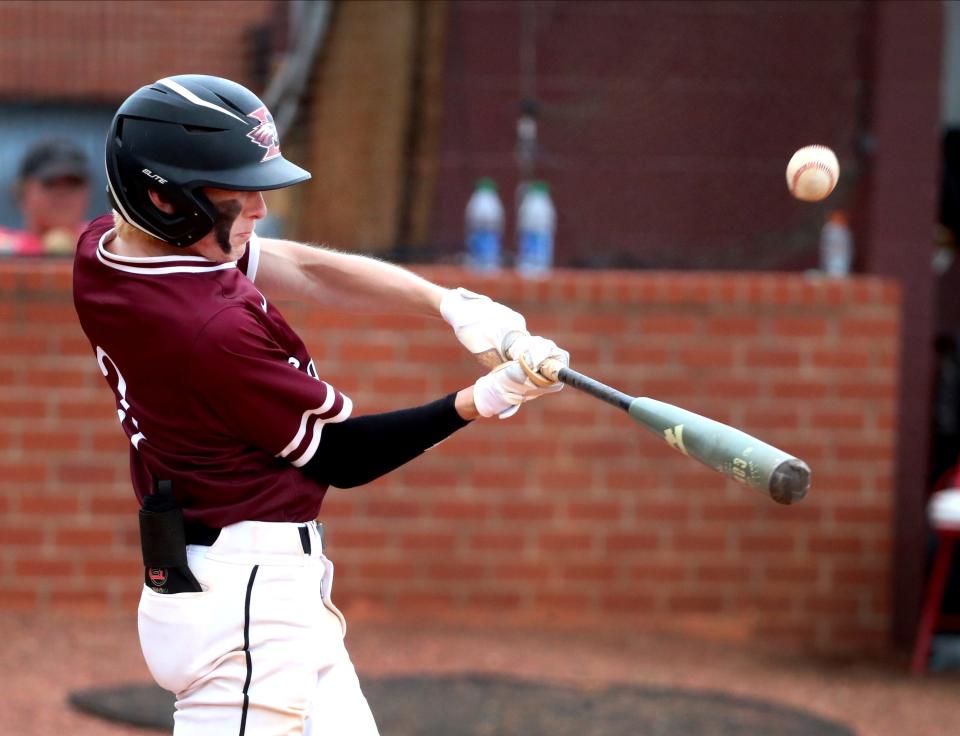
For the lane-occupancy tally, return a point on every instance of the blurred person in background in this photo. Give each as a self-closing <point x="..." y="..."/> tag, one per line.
<point x="53" y="192"/>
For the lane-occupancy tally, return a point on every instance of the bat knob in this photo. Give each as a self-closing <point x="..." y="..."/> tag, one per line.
<point x="790" y="481"/>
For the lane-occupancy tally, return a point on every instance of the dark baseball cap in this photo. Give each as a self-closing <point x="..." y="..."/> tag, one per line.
<point x="54" y="159"/>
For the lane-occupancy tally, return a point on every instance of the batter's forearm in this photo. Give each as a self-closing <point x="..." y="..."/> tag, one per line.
<point x="329" y="278"/>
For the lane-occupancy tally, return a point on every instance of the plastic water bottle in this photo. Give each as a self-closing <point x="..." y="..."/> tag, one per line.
<point x="836" y="245"/>
<point x="484" y="227"/>
<point x="536" y="223"/>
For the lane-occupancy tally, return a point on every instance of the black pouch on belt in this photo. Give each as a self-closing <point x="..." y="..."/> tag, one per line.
<point x="164" y="544"/>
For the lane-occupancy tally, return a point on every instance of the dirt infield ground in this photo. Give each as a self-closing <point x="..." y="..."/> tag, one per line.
<point x="47" y="657"/>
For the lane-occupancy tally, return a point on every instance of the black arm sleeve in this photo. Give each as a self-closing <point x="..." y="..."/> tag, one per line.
<point x="361" y="449"/>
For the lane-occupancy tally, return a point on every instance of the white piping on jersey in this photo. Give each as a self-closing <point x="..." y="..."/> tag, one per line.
<point x="253" y="261"/>
<point x="328" y="400"/>
<point x="187" y="94"/>
<point x="317" y="428"/>
<point x="107" y="259"/>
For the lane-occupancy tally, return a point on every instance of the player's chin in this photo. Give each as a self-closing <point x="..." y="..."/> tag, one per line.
<point x="238" y="247"/>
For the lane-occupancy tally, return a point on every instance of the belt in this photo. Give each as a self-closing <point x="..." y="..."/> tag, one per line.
<point x="205" y="536"/>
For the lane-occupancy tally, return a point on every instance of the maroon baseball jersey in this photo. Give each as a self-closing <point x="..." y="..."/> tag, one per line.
<point x="214" y="389"/>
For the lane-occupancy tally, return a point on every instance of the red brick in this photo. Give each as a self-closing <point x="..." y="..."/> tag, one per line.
<point x="112" y="568"/>
<point x="664" y="511"/>
<point x="595" y="511"/>
<point x="656" y="572"/>
<point x="79" y="537"/>
<point x="789" y="327"/>
<point x="49" y="505"/>
<point x="822" y="420"/>
<point x="772" y="357"/>
<point x="435" y="541"/>
<point x="18" y="599"/>
<point x="457" y="570"/>
<point x="527" y="511"/>
<point x="448" y="351"/>
<point x="24" y="345"/>
<point x="695" y="603"/>
<point x="789" y="573"/>
<point x="461" y="510"/>
<point x="835" y="544"/>
<point x="829" y="605"/>
<point x="49" y="440"/>
<point x="526" y="572"/>
<point x="400" y="385"/>
<point x="755" y="420"/>
<point x="705" y="357"/>
<point x="861" y="576"/>
<point x="89" y="602"/>
<point x="394" y="509"/>
<point x="699" y="541"/>
<point x="866" y="328"/>
<point x="498" y="603"/>
<point x="591" y="571"/>
<point x="45" y="568"/>
<point x="668" y="324"/>
<point x="508" y="541"/>
<point x="115" y="505"/>
<point x="766" y="543"/>
<point x="369" y="352"/>
<point x="733" y="326"/>
<point x="22" y="535"/>
<point x="428" y="477"/>
<point x="628" y="602"/>
<point x="554" y="542"/>
<point x="567" y="479"/>
<point x="89" y="473"/>
<point x="338" y="538"/>
<point x="599" y="323"/>
<point x="722" y="573"/>
<point x="860" y="514"/>
<point x="563" y="603"/>
<point x="797" y="389"/>
<point x="429" y="603"/>
<point x="841" y="357"/>
<point x="632" y="541"/>
<point x="12" y="472"/>
<point x="729" y="512"/>
<point x="385" y="570"/>
<point x="639" y="355"/>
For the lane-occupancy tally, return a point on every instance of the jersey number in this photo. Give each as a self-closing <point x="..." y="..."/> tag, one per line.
<point x="132" y="429"/>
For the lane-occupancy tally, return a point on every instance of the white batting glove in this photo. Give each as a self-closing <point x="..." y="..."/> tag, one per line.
<point x="502" y="390"/>
<point x="535" y="350"/>
<point x="480" y="323"/>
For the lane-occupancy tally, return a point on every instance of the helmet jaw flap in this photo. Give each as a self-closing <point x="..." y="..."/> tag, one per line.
<point x="185" y="133"/>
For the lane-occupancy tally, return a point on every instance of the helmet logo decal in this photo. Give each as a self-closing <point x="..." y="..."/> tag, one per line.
<point x="265" y="134"/>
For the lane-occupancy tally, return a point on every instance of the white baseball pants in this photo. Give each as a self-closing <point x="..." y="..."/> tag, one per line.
<point x="260" y="651"/>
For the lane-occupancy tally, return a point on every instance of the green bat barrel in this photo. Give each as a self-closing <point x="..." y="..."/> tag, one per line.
<point x="725" y="449"/>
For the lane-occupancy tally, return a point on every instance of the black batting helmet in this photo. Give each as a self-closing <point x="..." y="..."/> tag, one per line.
<point x="181" y="134"/>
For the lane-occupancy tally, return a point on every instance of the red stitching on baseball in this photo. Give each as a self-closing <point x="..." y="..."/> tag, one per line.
<point x="806" y="167"/>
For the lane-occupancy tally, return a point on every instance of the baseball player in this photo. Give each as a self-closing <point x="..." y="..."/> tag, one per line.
<point x="234" y="438"/>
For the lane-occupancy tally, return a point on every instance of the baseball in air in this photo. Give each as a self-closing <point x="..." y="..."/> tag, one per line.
<point x="812" y="173"/>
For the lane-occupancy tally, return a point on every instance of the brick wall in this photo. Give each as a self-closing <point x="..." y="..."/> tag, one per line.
<point x="566" y="513"/>
<point x="106" y="50"/>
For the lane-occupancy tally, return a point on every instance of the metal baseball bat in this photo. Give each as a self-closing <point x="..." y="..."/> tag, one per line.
<point x="729" y="451"/>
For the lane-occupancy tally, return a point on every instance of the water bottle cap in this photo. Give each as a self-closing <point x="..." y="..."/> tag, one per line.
<point x="838" y="217"/>
<point x="540" y="186"/>
<point x="487" y="184"/>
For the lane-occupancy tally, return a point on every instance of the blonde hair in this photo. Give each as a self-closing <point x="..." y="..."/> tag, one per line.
<point x="127" y="232"/>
